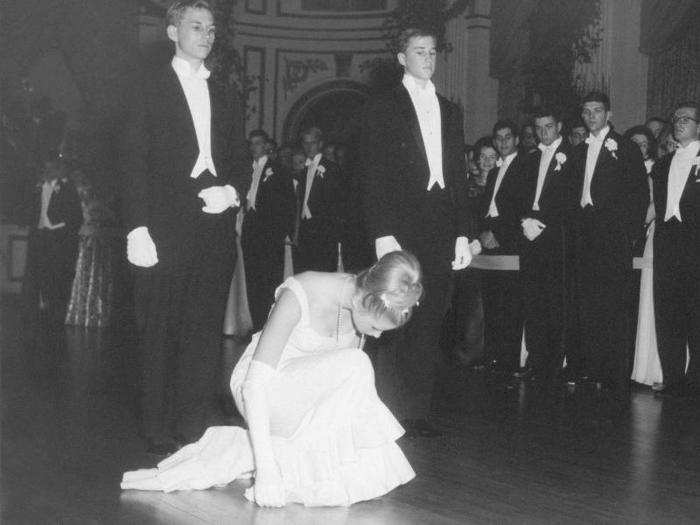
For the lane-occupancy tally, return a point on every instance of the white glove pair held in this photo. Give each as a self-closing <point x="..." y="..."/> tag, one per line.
<point x="532" y="228"/>
<point x="140" y="248"/>
<point x="464" y="250"/>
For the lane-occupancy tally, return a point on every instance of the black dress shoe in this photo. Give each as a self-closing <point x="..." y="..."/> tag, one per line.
<point x="677" y="390"/>
<point x="524" y="373"/>
<point x="420" y="428"/>
<point x="161" y="448"/>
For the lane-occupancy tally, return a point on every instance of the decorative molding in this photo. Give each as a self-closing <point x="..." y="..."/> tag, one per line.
<point x="369" y="64"/>
<point x="343" y="61"/>
<point x="307" y="38"/>
<point x="276" y="109"/>
<point x="256" y="96"/>
<point x="298" y="71"/>
<point x="297" y="111"/>
<point x="250" y="7"/>
<point x="337" y="16"/>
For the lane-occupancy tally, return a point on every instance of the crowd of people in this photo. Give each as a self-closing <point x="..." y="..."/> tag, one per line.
<point x="560" y="207"/>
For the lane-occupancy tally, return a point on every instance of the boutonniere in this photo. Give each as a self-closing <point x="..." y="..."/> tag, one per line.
<point x="611" y="146"/>
<point x="561" y="159"/>
<point x="268" y="173"/>
<point x="499" y="163"/>
<point x="320" y="170"/>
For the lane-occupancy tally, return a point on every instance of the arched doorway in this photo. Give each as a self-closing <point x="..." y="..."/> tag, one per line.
<point x="335" y="107"/>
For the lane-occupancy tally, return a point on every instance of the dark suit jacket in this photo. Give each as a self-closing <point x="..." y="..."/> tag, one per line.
<point x="64" y="206"/>
<point x="324" y="202"/>
<point x="159" y="151"/>
<point x="557" y="199"/>
<point x="619" y="189"/>
<point x="395" y="171"/>
<point x="273" y="217"/>
<point x="690" y="198"/>
<point x="510" y="201"/>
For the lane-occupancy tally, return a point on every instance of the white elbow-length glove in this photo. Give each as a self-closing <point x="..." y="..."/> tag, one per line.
<point x="218" y="199"/>
<point x="268" y="490"/>
<point x="140" y="248"/>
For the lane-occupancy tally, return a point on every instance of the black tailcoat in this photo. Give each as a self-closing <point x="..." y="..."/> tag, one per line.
<point x="502" y="296"/>
<point x="317" y="244"/>
<point x="181" y="300"/>
<point x="395" y="176"/>
<point x="605" y="233"/>
<point x="265" y="228"/>
<point x="543" y="263"/>
<point x="677" y="277"/>
<point x="52" y="254"/>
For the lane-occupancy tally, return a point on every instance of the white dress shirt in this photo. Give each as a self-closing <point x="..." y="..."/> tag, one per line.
<point x="594" y="145"/>
<point x="258" y="166"/>
<point x="545" y="160"/>
<point x="427" y="108"/>
<point x="47" y="190"/>
<point x="311" y="168"/>
<point x="493" y="209"/>
<point x="194" y="84"/>
<point x="681" y="164"/>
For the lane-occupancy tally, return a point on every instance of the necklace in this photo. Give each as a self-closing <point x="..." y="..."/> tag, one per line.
<point x="338" y="320"/>
<point x="337" y="324"/>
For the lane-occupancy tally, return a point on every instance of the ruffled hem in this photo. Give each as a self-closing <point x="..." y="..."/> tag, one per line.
<point x="336" y="468"/>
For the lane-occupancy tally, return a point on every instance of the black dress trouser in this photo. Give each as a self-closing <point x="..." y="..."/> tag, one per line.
<point x="677" y="301"/>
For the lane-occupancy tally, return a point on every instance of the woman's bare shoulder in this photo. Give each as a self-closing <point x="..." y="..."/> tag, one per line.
<point x="318" y="285"/>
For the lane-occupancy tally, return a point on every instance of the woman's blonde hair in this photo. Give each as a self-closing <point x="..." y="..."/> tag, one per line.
<point x="392" y="286"/>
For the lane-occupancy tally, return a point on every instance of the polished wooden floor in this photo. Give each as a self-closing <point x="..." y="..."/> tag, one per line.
<point x="510" y="455"/>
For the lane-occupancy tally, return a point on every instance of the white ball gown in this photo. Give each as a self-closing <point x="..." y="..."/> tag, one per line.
<point x="333" y="439"/>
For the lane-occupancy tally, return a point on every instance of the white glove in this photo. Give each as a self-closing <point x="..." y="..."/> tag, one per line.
<point x="463" y="255"/>
<point x="268" y="490"/>
<point x="475" y="247"/>
<point x="218" y="199"/>
<point x="140" y="248"/>
<point x="386" y="244"/>
<point x="532" y="228"/>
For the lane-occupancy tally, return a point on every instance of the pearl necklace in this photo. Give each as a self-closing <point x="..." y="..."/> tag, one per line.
<point x="337" y="324"/>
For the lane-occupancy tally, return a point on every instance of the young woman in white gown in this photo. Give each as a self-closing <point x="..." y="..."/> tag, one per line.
<point x="317" y="432"/>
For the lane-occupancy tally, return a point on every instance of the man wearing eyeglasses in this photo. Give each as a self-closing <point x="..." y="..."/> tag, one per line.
<point x="611" y="199"/>
<point x="676" y="180"/>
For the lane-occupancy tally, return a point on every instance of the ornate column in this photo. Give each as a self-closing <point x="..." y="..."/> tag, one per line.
<point x="463" y="74"/>
<point x="618" y="67"/>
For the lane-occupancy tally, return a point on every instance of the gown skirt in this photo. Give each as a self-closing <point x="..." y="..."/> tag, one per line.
<point x="647" y="366"/>
<point x="333" y="439"/>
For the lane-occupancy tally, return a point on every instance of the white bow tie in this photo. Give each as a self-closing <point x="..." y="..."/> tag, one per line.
<point x="590" y="139"/>
<point x="202" y="73"/>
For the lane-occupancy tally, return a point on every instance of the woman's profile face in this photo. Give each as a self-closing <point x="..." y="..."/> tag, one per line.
<point x="368" y="323"/>
<point x="487" y="159"/>
<point x="643" y="143"/>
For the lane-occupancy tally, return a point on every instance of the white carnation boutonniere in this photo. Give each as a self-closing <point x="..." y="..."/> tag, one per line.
<point x="499" y="163"/>
<point x="611" y="146"/>
<point x="268" y="173"/>
<point x="320" y="170"/>
<point x="561" y="159"/>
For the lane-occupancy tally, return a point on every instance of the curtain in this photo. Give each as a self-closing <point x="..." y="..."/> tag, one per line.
<point x="674" y="70"/>
<point x="662" y="21"/>
<point x="509" y="35"/>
